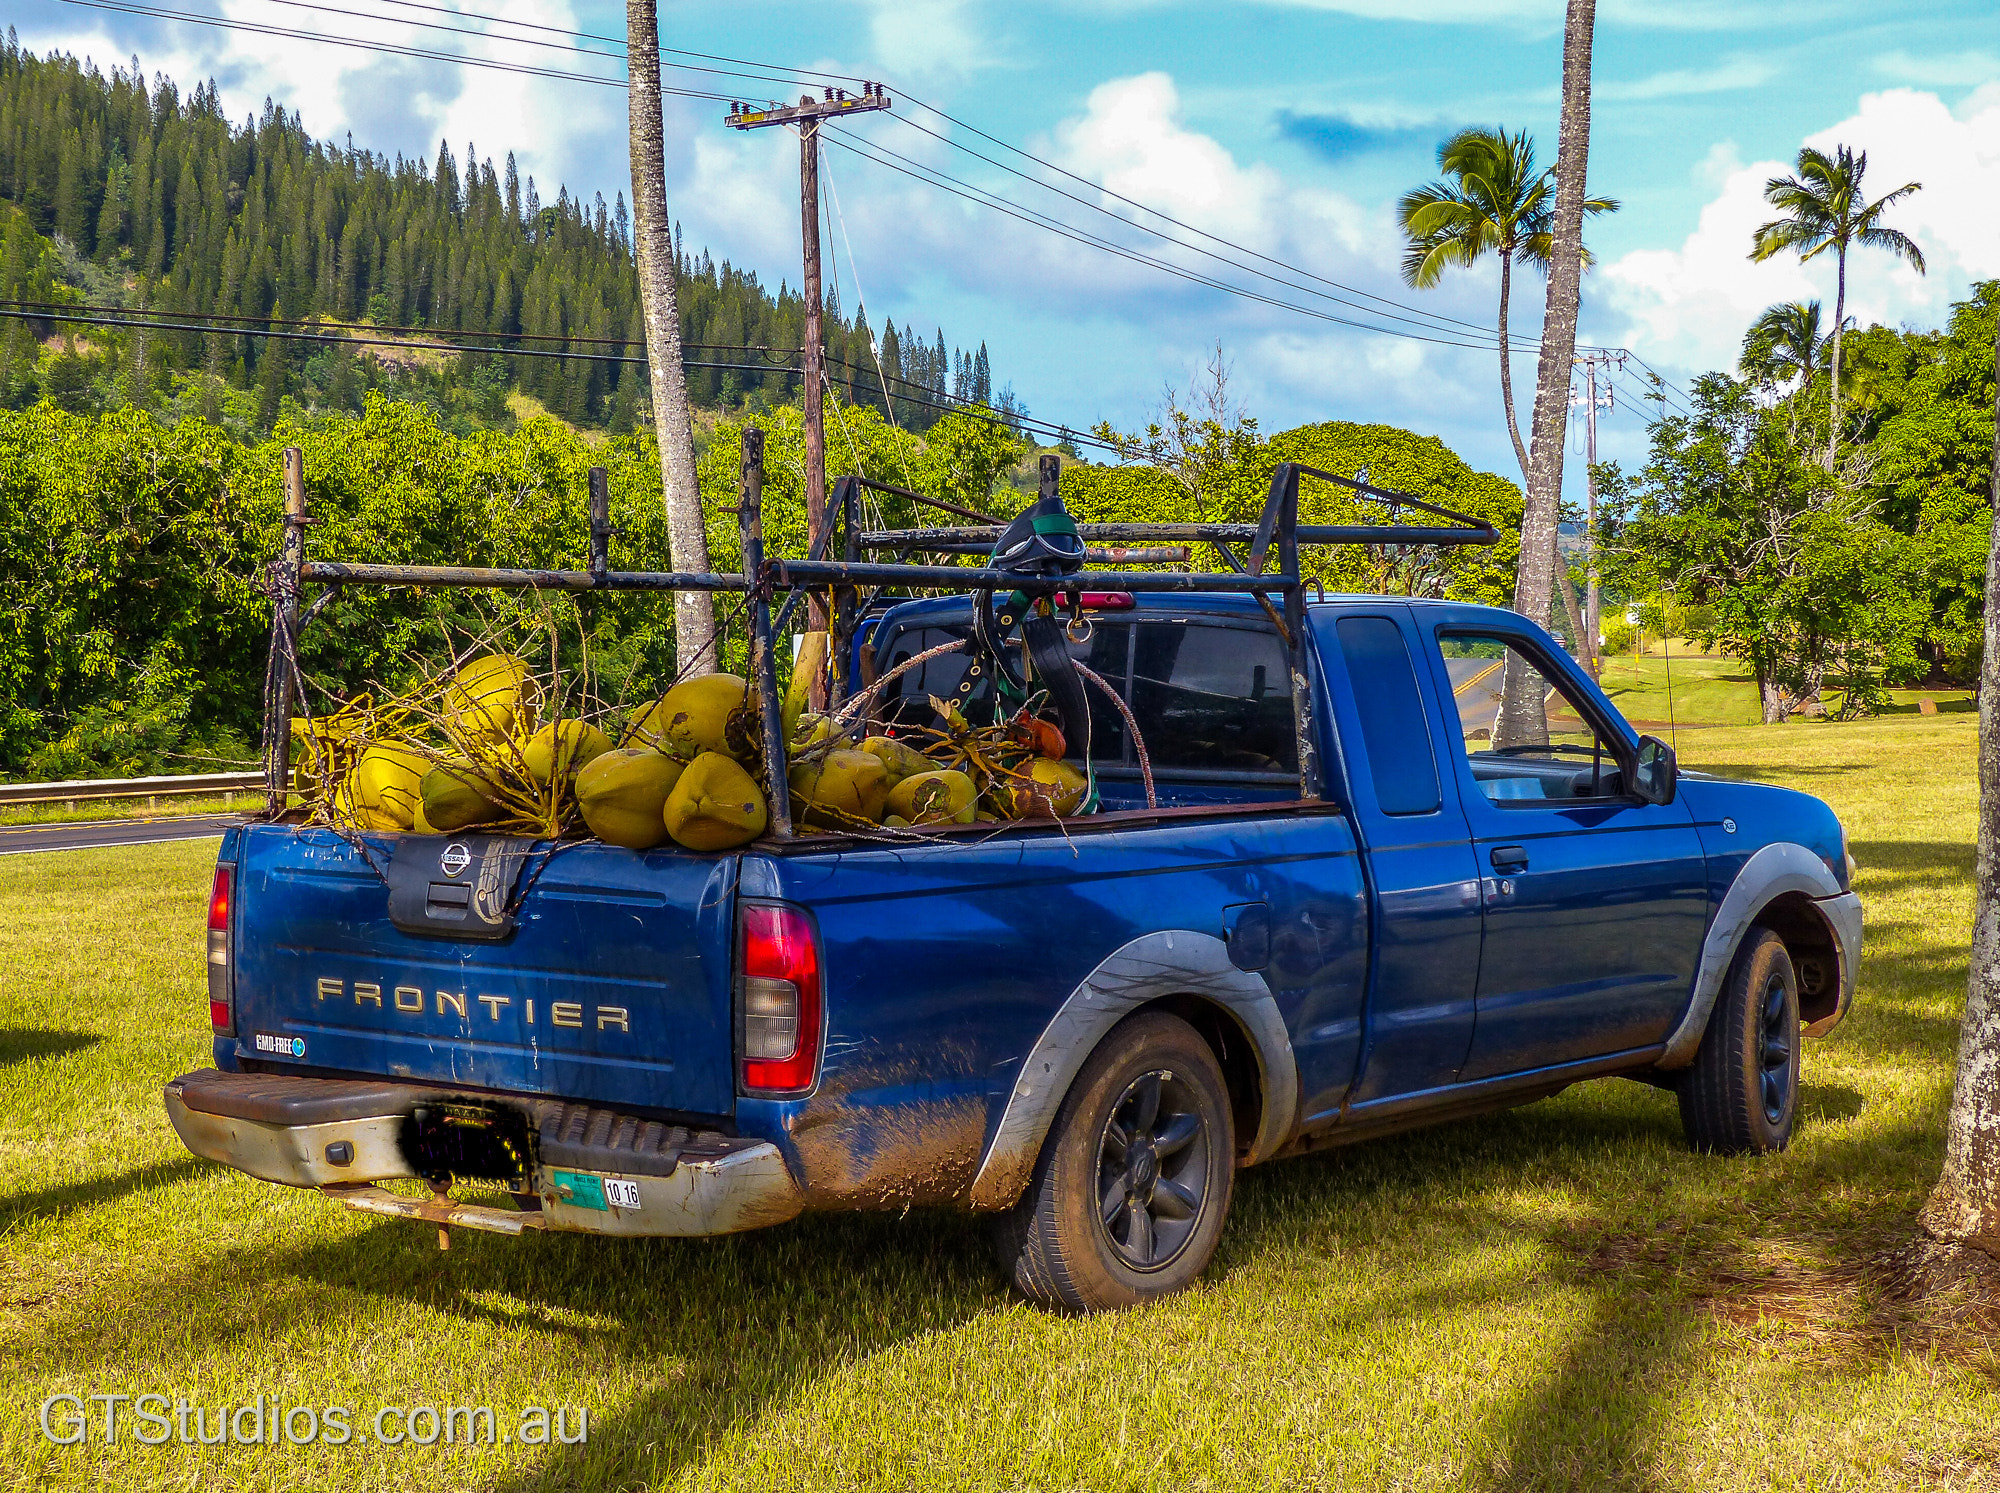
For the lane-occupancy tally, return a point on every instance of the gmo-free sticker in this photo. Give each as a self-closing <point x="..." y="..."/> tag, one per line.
<point x="284" y="1047"/>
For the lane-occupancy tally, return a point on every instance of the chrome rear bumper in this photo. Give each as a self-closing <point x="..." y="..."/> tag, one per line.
<point x="343" y="1136"/>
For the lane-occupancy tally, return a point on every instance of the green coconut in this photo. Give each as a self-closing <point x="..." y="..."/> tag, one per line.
<point x="716" y="805"/>
<point x="709" y="713"/>
<point x="562" y="749"/>
<point x="840" y="788"/>
<point x="902" y="759"/>
<point x="936" y="797"/>
<point x="456" y="796"/>
<point x="623" y="794"/>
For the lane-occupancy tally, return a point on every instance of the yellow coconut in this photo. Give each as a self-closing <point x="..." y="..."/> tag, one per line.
<point x="811" y="730"/>
<point x="902" y="759"/>
<point x="349" y="810"/>
<point x="935" y="798"/>
<point x="1052" y="787"/>
<point x="623" y="793"/>
<point x="840" y="788"/>
<point x="388" y="783"/>
<point x="710" y="713"/>
<point x="563" y="749"/>
<point x="716" y="805"/>
<point x="491" y="697"/>
<point x="456" y="797"/>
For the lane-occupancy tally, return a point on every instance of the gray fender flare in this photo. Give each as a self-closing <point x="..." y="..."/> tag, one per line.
<point x="1177" y="962"/>
<point x="1770" y="873"/>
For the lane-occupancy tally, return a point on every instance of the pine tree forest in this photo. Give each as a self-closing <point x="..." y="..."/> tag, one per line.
<point x="124" y="200"/>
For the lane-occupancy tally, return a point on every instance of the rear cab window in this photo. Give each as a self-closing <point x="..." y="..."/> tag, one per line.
<point x="1211" y="694"/>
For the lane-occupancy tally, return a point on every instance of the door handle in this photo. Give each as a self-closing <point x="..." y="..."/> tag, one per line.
<point x="1508" y="859"/>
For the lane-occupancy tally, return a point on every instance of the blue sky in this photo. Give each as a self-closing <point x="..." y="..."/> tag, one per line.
<point x="1287" y="127"/>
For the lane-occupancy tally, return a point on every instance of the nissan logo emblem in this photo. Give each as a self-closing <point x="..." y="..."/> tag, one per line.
<point x="455" y="859"/>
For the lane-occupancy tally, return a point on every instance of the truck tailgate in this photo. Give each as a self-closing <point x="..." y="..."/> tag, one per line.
<point x="615" y="986"/>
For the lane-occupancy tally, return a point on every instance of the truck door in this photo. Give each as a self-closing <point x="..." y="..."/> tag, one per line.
<point x="1595" y="902"/>
<point x="1424" y="881"/>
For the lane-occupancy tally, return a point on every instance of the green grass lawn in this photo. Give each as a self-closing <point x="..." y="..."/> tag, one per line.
<point x="1556" y="1297"/>
<point x="1705" y="689"/>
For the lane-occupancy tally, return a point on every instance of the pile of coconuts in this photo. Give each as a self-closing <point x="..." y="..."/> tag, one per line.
<point x="479" y="751"/>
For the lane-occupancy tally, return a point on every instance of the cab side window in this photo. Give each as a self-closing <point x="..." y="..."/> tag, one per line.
<point x="1527" y="736"/>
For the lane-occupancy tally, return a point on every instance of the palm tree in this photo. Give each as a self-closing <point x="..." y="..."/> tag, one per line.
<point x="1491" y="200"/>
<point x="1825" y="208"/>
<point x="1784" y="344"/>
<point x="659" y="298"/>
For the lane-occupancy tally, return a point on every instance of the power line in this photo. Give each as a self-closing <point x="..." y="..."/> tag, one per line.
<point x="1419" y="317"/>
<point x="282" y="336"/>
<point x="386" y="49"/>
<point x="1430" y="321"/>
<point x="934" y="178"/>
<point x="371" y="327"/>
<point x="124" y="323"/>
<point x="1025" y="215"/>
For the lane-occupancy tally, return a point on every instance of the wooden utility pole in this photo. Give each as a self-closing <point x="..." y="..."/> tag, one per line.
<point x="806" y="117"/>
<point x="1593" y="401"/>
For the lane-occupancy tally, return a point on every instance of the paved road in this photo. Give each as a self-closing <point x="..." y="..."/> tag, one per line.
<point x="99" y="834"/>
<point x="1475" y="682"/>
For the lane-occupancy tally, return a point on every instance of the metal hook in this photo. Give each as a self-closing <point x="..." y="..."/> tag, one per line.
<point x="1079" y="630"/>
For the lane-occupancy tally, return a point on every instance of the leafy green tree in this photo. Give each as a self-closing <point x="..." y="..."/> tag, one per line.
<point x="1799" y="575"/>
<point x="1824" y="208"/>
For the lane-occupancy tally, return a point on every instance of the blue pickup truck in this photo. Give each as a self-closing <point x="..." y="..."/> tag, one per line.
<point x="1079" y="1029"/>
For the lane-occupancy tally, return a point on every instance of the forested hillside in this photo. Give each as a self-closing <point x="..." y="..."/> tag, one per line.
<point x="120" y="193"/>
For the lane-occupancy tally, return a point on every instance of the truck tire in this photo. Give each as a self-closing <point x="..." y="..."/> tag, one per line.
<point x="1128" y="1197"/>
<point x="1741" y="1093"/>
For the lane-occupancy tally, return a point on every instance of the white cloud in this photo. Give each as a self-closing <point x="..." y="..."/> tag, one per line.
<point x="1733" y="74"/>
<point x="925" y="38"/>
<point x="1689" y="306"/>
<point x="1547" y="15"/>
<point x="1953" y="69"/>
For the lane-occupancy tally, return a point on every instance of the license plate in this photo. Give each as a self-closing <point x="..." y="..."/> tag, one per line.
<point x="588" y="1190"/>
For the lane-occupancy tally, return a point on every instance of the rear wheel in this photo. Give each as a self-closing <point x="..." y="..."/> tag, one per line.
<point x="1129" y="1194"/>
<point x="1742" y="1091"/>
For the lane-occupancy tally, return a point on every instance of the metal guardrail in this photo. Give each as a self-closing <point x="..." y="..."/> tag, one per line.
<point x="228" y="784"/>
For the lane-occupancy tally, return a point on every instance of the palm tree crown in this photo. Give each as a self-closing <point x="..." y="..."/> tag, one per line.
<point x="1491" y="200"/>
<point x="1784" y="344"/>
<point x="1825" y="208"/>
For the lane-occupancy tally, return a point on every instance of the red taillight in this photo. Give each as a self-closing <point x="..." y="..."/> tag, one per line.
<point x="220" y="1016"/>
<point x="1108" y="601"/>
<point x="778" y="994"/>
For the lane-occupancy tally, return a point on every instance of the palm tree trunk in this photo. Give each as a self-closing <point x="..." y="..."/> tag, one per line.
<point x="659" y="296"/>
<point x="1534" y="588"/>
<point x="1507" y="361"/>
<point x="1839" y="316"/>
<point x="1964" y="1208"/>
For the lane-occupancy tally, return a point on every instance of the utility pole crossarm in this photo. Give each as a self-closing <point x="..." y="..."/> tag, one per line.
<point x="837" y="102"/>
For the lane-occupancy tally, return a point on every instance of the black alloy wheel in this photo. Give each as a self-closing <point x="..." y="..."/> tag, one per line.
<point x="1778" y="1052"/>
<point x="1152" y="1170"/>
<point x="1741" y="1092"/>
<point x="1128" y="1196"/>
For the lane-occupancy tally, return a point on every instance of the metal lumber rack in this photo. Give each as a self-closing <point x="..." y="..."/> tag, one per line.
<point x="1278" y="587"/>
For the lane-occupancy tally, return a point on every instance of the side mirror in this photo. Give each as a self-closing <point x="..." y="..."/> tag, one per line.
<point x="1655" y="771"/>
